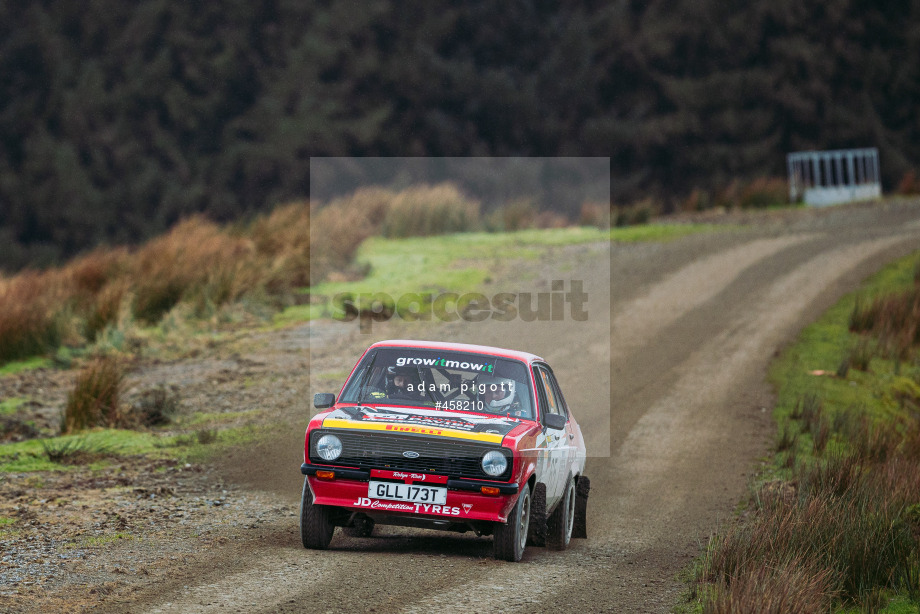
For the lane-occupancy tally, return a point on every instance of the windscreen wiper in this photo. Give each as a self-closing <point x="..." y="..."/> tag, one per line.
<point x="367" y="375"/>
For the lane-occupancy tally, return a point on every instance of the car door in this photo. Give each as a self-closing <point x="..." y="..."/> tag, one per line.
<point x="574" y="463"/>
<point x="557" y="446"/>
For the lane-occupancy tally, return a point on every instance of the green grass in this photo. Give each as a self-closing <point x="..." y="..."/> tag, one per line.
<point x="6" y="530"/>
<point x="463" y="262"/>
<point x="30" y="456"/>
<point x="899" y="604"/>
<point x="8" y="407"/>
<point x="62" y="358"/>
<point x="662" y="232"/>
<point x="826" y="343"/>
<point x="36" y="362"/>
<point x="26" y="456"/>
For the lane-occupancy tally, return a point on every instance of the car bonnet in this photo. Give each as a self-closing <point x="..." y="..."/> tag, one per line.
<point x="418" y="421"/>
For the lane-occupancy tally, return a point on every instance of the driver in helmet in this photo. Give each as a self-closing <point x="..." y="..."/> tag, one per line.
<point x="403" y="383"/>
<point x="498" y="394"/>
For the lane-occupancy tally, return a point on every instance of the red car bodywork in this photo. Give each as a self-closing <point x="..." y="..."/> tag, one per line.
<point x="471" y="502"/>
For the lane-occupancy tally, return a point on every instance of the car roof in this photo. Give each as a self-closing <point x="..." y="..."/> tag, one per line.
<point x="459" y="347"/>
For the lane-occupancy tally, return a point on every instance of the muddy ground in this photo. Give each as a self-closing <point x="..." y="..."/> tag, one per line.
<point x="675" y="437"/>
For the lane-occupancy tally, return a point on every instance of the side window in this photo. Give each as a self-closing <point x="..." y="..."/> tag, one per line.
<point x="560" y="399"/>
<point x="545" y="382"/>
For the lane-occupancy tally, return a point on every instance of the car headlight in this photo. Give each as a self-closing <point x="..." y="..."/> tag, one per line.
<point x="329" y="447"/>
<point x="494" y="463"/>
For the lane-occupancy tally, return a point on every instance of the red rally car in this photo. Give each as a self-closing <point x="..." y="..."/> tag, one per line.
<point x="446" y="436"/>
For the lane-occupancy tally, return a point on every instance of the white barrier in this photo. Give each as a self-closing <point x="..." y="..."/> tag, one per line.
<point x="822" y="178"/>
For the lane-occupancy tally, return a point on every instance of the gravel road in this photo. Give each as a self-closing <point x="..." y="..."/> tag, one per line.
<point x="685" y="422"/>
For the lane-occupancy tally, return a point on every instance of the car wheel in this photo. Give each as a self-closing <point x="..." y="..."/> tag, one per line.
<point x="510" y="539"/>
<point x="316" y="525"/>
<point x="360" y="527"/>
<point x="559" y="524"/>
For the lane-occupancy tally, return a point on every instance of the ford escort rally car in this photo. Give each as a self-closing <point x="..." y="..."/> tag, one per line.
<point x="446" y="436"/>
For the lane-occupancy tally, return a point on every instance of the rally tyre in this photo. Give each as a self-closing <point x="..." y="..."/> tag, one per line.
<point x="559" y="524"/>
<point x="361" y="527"/>
<point x="509" y="540"/>
<point x="316" y="525"/>
<point x="537" y="536"/>
<point x="582" y="488"/>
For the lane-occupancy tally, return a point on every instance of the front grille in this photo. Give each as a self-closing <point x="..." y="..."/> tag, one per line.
<point x="436" y="455"/>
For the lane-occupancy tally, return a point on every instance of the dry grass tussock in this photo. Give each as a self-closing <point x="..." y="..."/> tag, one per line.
<point x="430" y="210"/>
<point x="893" y="319"/>
<point x="94" y="398"/>
<point x="638" y="213"/>
<point x="515" y="215"/>
<point x="840" y="530"/>
<point x="197" y="262"/>
<point x="31" y="320"/>
<point x="341" y="226"/>
<point x="283" y="240"/>
<point x="909" y="183"/>
<point x="757" y="193"/>
<point x="793" y="587"/>
<point x="594" y="214"/>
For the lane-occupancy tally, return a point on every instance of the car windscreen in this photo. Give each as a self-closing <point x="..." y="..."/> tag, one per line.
<point x="462" y="381"/>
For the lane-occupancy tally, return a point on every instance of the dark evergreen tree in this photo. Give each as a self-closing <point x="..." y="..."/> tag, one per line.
<point x="119" y="118"/>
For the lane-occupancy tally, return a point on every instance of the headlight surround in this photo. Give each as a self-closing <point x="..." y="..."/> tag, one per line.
<point x="494" y="463"/>
<point x="329" y="447"/>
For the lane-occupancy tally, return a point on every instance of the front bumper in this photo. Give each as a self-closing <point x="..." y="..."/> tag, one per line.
<point x="349" y="490"/>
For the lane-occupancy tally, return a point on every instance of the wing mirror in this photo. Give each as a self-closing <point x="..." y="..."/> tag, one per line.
<point x="554" y="421"/>
<point x="323" y="400"/>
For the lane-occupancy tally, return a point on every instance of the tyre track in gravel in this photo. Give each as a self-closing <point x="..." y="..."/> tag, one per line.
<point x="661" y="475"/>
<point x="689" y="418"/>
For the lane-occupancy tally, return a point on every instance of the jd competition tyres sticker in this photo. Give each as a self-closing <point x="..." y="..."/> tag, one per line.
<point x="418" y="508"/>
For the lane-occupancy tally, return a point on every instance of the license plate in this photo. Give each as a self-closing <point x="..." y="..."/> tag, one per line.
<point x="407" y="492"/>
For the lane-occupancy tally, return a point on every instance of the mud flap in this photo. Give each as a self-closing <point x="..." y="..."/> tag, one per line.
<point x="536" y="535"/>
<point x="580" y="526"/>
<point x="360" y="526"/>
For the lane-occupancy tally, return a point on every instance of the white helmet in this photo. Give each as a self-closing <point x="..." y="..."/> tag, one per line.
<point x="501" y="385"/>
